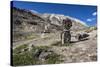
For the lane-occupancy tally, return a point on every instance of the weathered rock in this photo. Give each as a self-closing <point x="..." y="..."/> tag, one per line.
<point x="82" y="36"/>
<point x="44" y="55"/>
<point x="37" y="53"/>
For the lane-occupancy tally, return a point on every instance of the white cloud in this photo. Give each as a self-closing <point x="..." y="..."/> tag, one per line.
<point x="33" y="11"/>
<point x="90" y="19"/>
<point x="94" y="14"/>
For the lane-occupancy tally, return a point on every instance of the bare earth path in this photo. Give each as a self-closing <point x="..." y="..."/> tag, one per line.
<point x="46" y="41"/>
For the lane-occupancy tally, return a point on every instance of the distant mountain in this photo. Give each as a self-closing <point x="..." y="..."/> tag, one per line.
<point x="57" y="19"/>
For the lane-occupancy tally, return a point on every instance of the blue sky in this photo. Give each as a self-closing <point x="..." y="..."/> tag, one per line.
<point x="85" y="13"/>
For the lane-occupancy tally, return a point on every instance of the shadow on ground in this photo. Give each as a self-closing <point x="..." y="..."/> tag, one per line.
<point x="79" y="40"/>
<point x="67" y="44"/>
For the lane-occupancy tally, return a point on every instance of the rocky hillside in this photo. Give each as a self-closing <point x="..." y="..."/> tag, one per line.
<point x="26" y="22"/>
<point x="33" y="47"/>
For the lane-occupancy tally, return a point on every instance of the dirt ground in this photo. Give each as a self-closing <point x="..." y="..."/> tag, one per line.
<point x="77" y="51"/>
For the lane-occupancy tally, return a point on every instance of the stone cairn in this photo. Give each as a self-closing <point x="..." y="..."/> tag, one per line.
<point x="65" y="34"/>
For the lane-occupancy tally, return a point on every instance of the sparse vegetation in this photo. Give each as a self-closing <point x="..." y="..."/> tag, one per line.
<point x="19" y="37"/>
<point x="91" y="29"/>
<point x="18" y="49"/>
<point x="30" y="57"/>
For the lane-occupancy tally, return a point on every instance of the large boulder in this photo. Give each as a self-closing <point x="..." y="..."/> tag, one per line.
<point x="82" y="36"/>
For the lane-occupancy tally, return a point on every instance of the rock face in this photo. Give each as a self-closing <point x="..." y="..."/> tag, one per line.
<point x="25" y="21"/>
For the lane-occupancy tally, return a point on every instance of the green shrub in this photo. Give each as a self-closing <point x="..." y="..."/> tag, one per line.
<point x="28" y="57"/>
